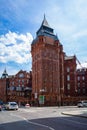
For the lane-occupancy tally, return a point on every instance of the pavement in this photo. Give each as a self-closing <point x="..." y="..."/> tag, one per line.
<point x="79" y="113"/>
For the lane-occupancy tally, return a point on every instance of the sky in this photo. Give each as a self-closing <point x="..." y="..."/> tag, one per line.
<point x="20" y="20"/>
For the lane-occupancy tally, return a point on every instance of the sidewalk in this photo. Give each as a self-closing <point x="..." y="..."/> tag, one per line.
<point x="80" y="113"/>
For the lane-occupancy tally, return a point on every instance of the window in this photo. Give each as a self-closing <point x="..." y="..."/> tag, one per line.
<point x="83" y="85"/>
<point x="68" y="86"/>
<point x="22" y="88"/>
<point x="27" y="81"/>
<point x="78" y="78"/>
<point x="78" y="85"/>
<point x="79" y="90"/>
<point x="13" y="83"/>
<point x="21" y="75"/>
<point x="18" y="88"/>
<point x="83" y="78"/>
<point x="68" y="69"/>
<point x="12" y="88"/>
<point x="84" y="90"/>
<point x="19" y="80"/>
<point x="22" y="80"/>
<point x="68" y="77"/>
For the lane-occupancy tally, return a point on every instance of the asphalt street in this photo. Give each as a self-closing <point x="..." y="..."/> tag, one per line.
<point x="42" y="118"/>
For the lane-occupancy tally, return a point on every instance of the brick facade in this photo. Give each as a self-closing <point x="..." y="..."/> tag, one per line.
<point x="53" y="73"/>
<point x="81" y="82"/>
<point x="48" y="61"/>
<point x="70" y="75"/>
<point x="16" y="87"/>
<point x="3" y="89"/>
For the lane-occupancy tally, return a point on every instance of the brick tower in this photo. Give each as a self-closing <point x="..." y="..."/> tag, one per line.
<point x="47" y="66"/>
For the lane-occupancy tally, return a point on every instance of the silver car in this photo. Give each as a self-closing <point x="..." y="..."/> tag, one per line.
<point x="11" y="106"/>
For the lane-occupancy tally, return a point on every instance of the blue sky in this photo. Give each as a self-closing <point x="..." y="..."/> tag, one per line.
<point x="20" y="19"/>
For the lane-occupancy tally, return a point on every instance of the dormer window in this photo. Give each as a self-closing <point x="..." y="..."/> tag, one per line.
<point x="21" y="75"/>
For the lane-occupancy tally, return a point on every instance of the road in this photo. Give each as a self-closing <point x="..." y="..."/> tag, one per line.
<point x="42" y="118"/>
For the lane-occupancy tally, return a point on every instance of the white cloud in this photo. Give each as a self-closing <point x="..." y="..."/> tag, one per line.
<point x="15" y="47"/>
<point x="82" y="65"/>
<point x="79" y="34"/>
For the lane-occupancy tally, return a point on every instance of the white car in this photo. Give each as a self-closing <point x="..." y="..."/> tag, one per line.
<point x="82" y="104"/>
<point x="11" y="106"/>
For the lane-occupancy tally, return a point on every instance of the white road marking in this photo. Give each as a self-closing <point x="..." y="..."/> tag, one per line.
<point x="34" y="123"/>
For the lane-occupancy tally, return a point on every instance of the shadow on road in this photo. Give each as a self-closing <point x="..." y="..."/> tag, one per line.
<point x="55" y="123"/>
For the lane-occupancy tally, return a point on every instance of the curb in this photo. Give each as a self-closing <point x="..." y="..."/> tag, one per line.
<point x="78" y="115"/>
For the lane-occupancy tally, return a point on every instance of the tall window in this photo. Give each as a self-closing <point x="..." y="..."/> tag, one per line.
<point x="83" y="85"/>
<point x="83" y="78"/>
<point x="68" y="86"/>
<point x="78" y="85"/>
<point x="68" y="69"/>
<point x="79" y="90"/>
<point x="19" y="80"/>
<point x="84" y="90"/>
<point x="68" y="77"/>
<point x="12" y="82"/>
<point x="78" y="78"/>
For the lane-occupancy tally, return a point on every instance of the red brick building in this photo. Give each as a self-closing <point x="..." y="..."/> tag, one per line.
<point x="16" y="87"/>
<point x="48" y="61"/>
<point x="81" y="82"/>
<point x="70" y="75"/>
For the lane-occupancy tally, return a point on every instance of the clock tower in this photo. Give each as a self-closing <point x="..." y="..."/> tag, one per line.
<point x="47" y="65"/>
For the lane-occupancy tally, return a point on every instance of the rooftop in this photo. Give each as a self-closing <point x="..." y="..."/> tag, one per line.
<point x="69" y="57"/>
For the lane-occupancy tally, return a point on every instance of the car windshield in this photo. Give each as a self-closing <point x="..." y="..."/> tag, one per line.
<point x="13" y="104"/>
<point x="79" y="102"/>
<point x="85" y="101"/>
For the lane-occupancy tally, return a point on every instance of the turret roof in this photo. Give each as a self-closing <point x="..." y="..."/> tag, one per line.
<point x="45" y="23"/>
<point x="4" y="74"/>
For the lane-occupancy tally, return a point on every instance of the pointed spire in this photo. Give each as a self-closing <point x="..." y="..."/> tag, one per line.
<point x="5" y="72"/>
<point x="45" y="29"/>
<point x="45" y="23"/>
<point x="4" y="75"/>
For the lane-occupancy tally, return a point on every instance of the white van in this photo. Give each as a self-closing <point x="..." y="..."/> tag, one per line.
<point x="11" y="106"/>
<point x="82" y="103"/>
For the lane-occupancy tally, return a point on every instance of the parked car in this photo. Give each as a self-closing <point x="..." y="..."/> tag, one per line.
<point x="0" y="107"/>
<point x="27" y="105"/>
<point x="82" y="104"/>
<point x="11" y="106"/>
